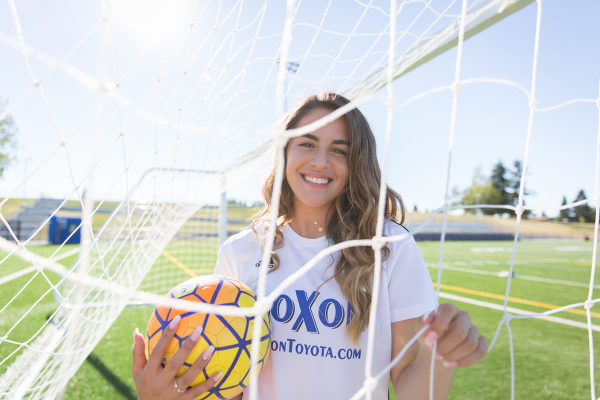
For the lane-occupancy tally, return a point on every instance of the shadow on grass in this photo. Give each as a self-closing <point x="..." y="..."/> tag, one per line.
<point x="114" y="380"/>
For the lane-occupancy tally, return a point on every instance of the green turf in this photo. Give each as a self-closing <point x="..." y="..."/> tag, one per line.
<point x="26" y="301"/>
<point x="551" y="359"/>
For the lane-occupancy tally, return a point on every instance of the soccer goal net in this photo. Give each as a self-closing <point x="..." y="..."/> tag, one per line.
<point x="149" y="127"/>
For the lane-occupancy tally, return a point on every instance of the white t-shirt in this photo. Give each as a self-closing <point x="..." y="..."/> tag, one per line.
<point x="311" y="356"/>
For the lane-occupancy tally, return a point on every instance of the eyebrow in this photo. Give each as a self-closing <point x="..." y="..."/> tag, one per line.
<point x="339" y="141"/>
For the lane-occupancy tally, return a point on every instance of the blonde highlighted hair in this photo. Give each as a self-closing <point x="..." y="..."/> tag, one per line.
<point x="354" y="213"/>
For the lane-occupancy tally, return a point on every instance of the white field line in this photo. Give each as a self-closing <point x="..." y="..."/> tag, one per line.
<point x="503" y="274"/>
<point x="34" y="268"/>
<point x="518" y="311"/>
<point x="554" y="281"/>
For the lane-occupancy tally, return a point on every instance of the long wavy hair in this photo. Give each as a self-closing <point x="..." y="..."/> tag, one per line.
<point x="353" y="214"/>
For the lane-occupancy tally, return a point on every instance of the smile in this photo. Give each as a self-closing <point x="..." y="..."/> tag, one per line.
<point x="318" y="181"/>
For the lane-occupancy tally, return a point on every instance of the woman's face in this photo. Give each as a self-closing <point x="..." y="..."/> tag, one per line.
<point x="317" y="163"/>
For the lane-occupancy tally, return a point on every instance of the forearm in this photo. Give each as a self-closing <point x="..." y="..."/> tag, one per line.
<point x="413" y="381"/>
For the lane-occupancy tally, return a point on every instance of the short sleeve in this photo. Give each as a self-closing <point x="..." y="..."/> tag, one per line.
<point x="225" y="262"/>
<point x="411" y="292"/>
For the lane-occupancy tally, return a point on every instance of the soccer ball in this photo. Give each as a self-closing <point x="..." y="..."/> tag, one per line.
<point x="231" y="336"/>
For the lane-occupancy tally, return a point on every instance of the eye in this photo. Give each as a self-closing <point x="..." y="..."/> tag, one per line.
<point x="339" y="151"/>
<point x="308" y="145"/>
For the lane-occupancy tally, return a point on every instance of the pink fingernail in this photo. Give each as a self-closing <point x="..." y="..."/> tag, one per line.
<point x="196" y="334"/>
<point x="136" y="332"/>
<point x="430" y="338"/>
<point x="438" y="356"/>
<point x="217" y="377"/>
<point x="450" y="364"/>
<point x="427" y="317"/>
<point x="174" y="322"/>
<point x="208" y="352"/>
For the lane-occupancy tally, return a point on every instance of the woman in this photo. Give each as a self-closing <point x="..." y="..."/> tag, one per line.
<point x="319" y="338"/>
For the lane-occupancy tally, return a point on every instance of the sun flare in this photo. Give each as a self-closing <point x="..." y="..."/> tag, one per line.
<point x="149" y="20"/>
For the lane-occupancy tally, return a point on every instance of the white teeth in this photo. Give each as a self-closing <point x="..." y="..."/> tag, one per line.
<point x="320" y="181"/>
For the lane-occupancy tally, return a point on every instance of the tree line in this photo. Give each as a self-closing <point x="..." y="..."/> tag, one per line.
<point x="502" y="186"/>
<point x="580" y="213"/>
<point x="8" y="133"/>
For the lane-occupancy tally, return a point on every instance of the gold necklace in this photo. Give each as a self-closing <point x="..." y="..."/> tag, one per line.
<point x="319" y="228"/>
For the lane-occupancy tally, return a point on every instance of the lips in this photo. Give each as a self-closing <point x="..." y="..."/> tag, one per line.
<point x="316" y="180"/>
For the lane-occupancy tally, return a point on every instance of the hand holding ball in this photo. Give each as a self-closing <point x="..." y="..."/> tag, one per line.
<point x="229" y="336"/>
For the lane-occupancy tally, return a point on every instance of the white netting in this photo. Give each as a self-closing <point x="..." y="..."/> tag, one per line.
<point x="156" y="126"/>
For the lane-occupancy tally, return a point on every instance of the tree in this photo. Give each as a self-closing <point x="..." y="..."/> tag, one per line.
<point x="502" y="188"/>
<point x="515" y="182"/>
<point x="514" y="186"/>
<point x="482" y="193"/>
<point x="8" y="133"/>
<point x="583" y="212"/>
<point x="564" y="214"/>
<point x="236" y="203"/>
<point x="499" y="181"/>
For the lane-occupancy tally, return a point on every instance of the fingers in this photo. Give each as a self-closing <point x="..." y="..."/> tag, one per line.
<point x="459" y="342"/>
<point x="168" y="375"/>
<point x="139" y="356"/>
<point x="154" y="382"/>
<point x="438" y="322"/>
<point x="196" y="391"/>
<point x="455" y="333"/>
<point x="190" y="375"/>
<point x="472" y="350"/>
<point x="179" y="358"/>
<point x="442" y="318"/>
<point x="201" y="363"/>
<point x="476" y="355"/>
<point x="158" y="352"/>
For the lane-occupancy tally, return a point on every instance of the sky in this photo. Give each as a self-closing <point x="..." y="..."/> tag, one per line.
<point x="194" y="85"/>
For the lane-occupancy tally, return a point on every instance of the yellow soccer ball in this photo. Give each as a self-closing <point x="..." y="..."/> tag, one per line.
<point x="231" y="336"/>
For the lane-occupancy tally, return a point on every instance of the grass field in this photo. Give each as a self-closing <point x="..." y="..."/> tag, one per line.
<point x="551" y="359"/>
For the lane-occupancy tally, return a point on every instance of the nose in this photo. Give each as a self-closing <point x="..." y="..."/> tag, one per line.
<point x="320" y="159"/>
